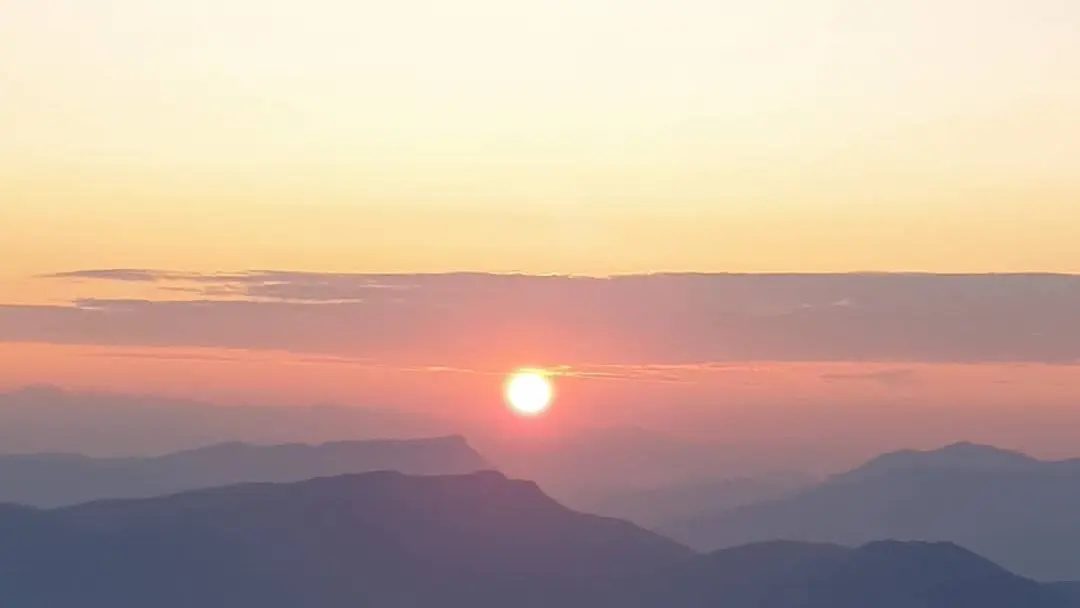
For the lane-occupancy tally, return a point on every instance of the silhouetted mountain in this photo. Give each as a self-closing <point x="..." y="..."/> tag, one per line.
<point x="379" y="539"/>
<point x="961" y="456"/>
<point x="571" y="462"/>
<point x="1017" y="511"/>
<point x="1070" y="591"/>
<point x="57" y="479"/>
<point x="882" y="575"/>
<point x="389" y="540"/>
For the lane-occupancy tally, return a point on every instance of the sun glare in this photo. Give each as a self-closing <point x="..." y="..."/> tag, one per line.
<point x="529" y="393"/>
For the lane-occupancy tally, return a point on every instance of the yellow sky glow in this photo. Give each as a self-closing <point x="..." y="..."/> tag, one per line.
<point x="589" y="136"/>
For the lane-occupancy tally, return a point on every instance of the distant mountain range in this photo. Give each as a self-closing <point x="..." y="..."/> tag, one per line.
<point x="1021" y="512"/>
<point x="50" y="480"/>
<point x="652" y="507"/>
<point x="46" y="418"/>
<point x="572" y="462"/>
<point x="480" y="540"/>
<point x="958" y="457"/>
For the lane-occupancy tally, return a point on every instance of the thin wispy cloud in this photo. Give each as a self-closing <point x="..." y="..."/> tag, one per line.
<point x="268" y="285"/>
<point x="889" y="377"/>
<point x="129" y="275"/>
<point x="480" y="321"/>
<point x="648" y="373"/>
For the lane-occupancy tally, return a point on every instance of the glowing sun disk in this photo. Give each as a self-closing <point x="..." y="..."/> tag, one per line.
<point x="529" y="393"/>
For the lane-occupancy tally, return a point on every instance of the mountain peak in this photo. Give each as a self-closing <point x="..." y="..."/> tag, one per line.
<point x="978" y="450"/>
<point x="1011" y="508"/>
<point x="962" y="455"/>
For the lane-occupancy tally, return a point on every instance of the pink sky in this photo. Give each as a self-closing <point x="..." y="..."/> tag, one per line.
<point x="788" y="358"/>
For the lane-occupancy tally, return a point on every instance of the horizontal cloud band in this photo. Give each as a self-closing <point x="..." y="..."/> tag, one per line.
<point x="480" y="319"/>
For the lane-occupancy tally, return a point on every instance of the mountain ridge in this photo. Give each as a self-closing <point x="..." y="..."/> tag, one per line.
<point x="53" y="480"/>
<point x="381" y="538"/>
<point x="1016" y="510"/>
<point x="475" y="540"/>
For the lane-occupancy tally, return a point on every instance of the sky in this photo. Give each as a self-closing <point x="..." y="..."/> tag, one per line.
<point x="585" y="136"/>
<point x="188" y="183"/>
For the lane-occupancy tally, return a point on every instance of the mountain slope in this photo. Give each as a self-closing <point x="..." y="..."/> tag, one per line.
<point x="480" y="540"/>
<point x="58" y="480"/>
<point x="382" y="539"/>
<point x="1017" y="511"/>
<point x="883" y="575"/>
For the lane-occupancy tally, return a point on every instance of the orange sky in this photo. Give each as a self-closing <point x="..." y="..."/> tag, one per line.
<point x="274" y="377"/>
<point x="161" y="231"/>
<point x="789" y="403"/>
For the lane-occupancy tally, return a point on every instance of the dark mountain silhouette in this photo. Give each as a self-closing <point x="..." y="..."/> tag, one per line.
<point x="471" y="541"/>
<point x="56" y="479"/>
<point x="882" y="574"/>
<point x="1070" y="591"/>
<point x="379" y="539"/>
<point x="1018" y="511"/>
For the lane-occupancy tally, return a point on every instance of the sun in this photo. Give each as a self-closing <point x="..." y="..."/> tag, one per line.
<point x="529" y="393"/>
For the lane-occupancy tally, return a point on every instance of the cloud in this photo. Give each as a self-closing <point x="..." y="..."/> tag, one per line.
<point x="128" y="275"/>
<point x="480" y="321"/>
<point x="262" y="285"/>
<point x="169" y="355"/>
<point x="889" y="377"/>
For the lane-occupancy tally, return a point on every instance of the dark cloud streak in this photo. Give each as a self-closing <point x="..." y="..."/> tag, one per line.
<point x="272" y="285"/>
<point x="478" y="321"/>
<point x="891" y="378"/>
